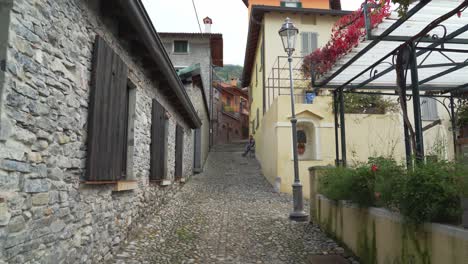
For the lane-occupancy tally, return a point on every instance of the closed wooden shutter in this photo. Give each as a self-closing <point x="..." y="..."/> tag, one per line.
<point x="197" y="149"/>
<point x="107" y="115"/>
<point x="179" y="153"/>
<point x="158" y="142"/>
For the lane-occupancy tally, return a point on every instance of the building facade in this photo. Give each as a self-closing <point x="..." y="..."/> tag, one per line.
<point x="95" y="128"/>
<point x="231" y="116"/>
<point x="188" y="49"/>
<point x="191" y="77"/>
<point x="267" y="76"/>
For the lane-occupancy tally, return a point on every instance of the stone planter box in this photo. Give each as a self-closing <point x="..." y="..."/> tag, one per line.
<point x="377" y="235"/>
<point x="464" y="203"/>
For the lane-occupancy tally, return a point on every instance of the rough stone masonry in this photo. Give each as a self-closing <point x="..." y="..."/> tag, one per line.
<point x="47" y="215"/>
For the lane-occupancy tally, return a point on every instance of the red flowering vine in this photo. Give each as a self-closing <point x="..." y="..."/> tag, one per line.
<point x="347" y="32"/>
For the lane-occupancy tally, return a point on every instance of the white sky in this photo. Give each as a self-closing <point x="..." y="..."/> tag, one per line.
<point x="229" y="18"/>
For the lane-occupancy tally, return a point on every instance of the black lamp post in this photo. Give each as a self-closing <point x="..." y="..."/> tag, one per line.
<point x="288" y="34"/>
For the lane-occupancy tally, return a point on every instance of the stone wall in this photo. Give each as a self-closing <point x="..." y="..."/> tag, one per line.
<point x="46" y="214"/>
<point x="199" y="52"/>
<point x="196" y="96"/>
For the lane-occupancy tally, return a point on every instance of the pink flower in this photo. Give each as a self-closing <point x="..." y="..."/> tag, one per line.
<point x="374" y="168"/>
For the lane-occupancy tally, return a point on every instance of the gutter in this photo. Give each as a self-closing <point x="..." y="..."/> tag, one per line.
<point x="138" y="17"/>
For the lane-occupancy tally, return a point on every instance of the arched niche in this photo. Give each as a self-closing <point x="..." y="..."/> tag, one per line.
<point x="307" y="143"/>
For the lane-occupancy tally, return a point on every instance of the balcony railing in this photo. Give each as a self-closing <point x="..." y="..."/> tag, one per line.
<point x="278" y="81"/>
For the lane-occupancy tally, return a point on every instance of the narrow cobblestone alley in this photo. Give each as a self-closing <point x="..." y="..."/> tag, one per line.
<point x="228" y="214"/>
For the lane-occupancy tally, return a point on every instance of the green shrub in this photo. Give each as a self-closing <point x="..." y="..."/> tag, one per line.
<point x="356" y="185"/>
<point x="431" y="194"/>
<point x="428" y="193"/>
<point x="362" y="186"/>
<point x="389" y="181"/>
<point x="335" y="183"/>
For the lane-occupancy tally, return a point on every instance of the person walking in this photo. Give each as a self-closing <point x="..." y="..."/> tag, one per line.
<point x="250" y="146"/>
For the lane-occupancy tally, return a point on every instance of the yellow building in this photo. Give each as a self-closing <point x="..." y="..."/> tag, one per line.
<point x="267" y="76"/>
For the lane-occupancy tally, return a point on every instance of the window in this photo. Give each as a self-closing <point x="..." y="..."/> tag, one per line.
<point x="309" y="42"/>
<point x="429" y="109"/>
<point x="291" y="3"/>
<point x="181" y="46"/>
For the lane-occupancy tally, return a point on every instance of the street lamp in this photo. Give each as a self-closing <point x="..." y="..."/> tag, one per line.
<point x="288" y="34"/>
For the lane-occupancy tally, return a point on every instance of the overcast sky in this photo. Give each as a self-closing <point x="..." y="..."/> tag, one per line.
<point x="229" y="18"/>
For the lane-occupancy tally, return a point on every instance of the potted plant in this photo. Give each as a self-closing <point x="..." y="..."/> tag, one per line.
<point x="300" y="148"/>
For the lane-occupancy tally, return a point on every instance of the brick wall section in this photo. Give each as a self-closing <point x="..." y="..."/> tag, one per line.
<point x="46" y="214"/>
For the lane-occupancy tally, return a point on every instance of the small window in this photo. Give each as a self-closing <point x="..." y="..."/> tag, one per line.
<point x="291" y="3"/>
<point x="429" y="109"/>
<point x="181" y="46"/>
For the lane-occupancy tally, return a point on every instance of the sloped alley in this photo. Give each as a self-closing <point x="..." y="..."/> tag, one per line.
<point x="227" y="214"/>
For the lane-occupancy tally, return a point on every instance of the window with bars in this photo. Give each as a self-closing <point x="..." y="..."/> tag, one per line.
<point x="309" y="42"/>
<point x="429" y="109"/>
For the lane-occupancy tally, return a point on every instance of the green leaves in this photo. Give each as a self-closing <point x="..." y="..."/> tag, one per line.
<point x="429" y="192"/>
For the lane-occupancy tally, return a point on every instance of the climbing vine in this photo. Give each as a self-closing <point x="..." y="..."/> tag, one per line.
<point x="347" y="32"/>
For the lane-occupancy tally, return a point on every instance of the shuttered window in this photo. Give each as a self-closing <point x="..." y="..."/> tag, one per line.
<point x="429" y="109"/>
<point x="158" y="142"/>
<point x="107" y="116"/>
<point x="309" y="42"/>
<point x="179" y="153"/>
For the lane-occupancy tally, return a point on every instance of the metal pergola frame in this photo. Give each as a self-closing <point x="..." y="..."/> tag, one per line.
<point x="411" y="44"/>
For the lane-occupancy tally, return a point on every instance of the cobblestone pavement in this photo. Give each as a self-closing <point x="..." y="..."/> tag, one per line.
<point x="227" y="214"/>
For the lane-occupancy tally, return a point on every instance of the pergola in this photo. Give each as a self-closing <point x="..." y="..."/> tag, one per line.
<point x="432" y="53"/>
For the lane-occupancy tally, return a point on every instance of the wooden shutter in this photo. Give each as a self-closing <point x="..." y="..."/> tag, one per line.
<point x="158" y="142"/>
<point x="313" y="42"/>
<point x="179" y="153"/>
<point x="305" y="43"/>
<point x="197" y="149"/>
<point x="107" y="115"/>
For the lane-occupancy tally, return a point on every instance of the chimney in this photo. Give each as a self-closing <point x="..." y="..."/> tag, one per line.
<point x="208" y="22"/>
<point x="234" y="82"/>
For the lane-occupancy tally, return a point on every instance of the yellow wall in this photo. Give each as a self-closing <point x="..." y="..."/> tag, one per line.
<point x="367" y="135"/>
<point x="267" y="145"/>
<point x="256" y="89"/>
<point x="322" y="4"/>
<point x="273" y="49"/>
<point x="377" y="235"/>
